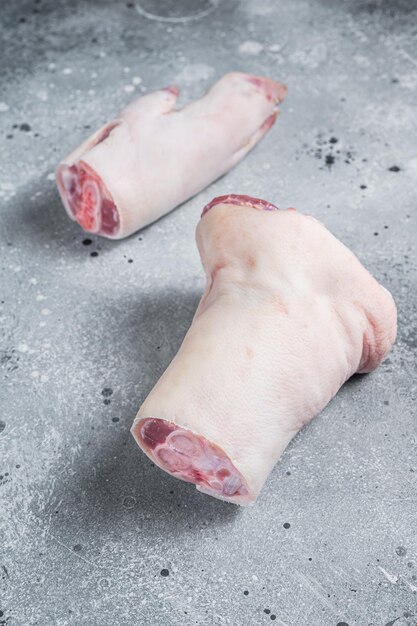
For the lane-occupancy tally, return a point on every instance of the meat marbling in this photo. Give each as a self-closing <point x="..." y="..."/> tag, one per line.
<point x="287" y="316"/>
<point x="152" y="157"/>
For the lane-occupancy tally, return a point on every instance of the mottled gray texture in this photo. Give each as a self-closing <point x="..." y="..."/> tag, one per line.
<point x="87" y="523"/>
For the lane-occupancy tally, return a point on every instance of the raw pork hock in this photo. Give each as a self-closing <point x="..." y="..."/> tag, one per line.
<point x="151" y="158"/>
<point x="287" y="316"/>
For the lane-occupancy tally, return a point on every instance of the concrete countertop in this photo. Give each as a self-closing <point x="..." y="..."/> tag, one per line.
<point x="91" y="533"/>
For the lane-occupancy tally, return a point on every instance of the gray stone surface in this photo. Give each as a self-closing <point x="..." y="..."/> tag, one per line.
<point x="87" y="524"/>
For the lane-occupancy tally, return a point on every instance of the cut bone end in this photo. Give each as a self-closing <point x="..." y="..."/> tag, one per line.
<point x="87" y="199"/>
<point x="192" y="458"/>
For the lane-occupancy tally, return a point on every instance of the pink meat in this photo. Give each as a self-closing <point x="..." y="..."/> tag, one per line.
<point x="151" y="158"/>
<point x="287" y="316"/>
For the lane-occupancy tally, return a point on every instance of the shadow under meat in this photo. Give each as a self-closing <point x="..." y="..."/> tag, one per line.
<point x="113" y="483"/>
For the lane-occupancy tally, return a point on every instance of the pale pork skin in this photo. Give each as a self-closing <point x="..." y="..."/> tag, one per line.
<point x="152" y="157"/>
<point x="287" y="316"/>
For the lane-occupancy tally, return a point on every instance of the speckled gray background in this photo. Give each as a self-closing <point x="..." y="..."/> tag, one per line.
<point x="87" y="523"/>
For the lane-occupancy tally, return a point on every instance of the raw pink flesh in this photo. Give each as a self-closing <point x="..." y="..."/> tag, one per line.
<point x="190" y="457"/>
<point x="87" y="199"/>
<point x="241" y="200"/>
<point x="273" y="92"/>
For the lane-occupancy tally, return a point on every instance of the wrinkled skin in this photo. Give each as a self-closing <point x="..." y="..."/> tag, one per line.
<point x="287" y="316"/>
<point x="151" y="158"/>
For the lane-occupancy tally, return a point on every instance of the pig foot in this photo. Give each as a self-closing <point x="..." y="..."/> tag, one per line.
<point x="87" y="200"/>
<point x="190" y="457"/>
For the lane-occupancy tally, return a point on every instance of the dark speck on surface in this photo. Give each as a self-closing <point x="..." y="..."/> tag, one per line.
<point x="164" y="572"/>
<point x="287" y="525"/>
<point x="94" y="253"/>
<point x="394" y="168"/>
<point x="107" y="392"/>
<point x="401" y="551"/>
<point x="267" y="611"/>
<point x="273" y="617"/>
<point x="333" y="140"/>
<point x="329" y="160"/>
<point x="106" y="401"/>
<point x="2" y="426"/>
<point x="363" y="187"/>
<point x="78" y="547"/>
<point x="246" y="592"/>
<point x="25" y="127"/>
<point x="115" y="419"/>
<point x="342" y="624"/>
<point x="87" y="242"/>
<point x="130" y="260"/>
